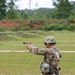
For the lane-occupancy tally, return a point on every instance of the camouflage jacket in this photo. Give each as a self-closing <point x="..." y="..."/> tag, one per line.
<point x="51" y="55"/>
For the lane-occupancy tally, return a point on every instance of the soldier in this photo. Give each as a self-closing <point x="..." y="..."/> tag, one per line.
<point x="51" y="54"/>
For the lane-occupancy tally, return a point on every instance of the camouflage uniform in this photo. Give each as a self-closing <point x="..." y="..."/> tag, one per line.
<point x="51" y="56"/>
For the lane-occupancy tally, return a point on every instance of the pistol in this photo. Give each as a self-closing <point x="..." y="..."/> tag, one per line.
<point x="26" y="43"/>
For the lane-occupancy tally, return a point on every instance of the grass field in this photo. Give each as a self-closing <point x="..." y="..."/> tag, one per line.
<point x="65" y="40"/>
<point x="28" y="63"/>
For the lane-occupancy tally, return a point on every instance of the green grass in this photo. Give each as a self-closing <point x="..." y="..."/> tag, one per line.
<point x="19" y="63"/>
<point x="65" y="40"/>
<point x="28" y="63"/>
<point x="67" y="64"/>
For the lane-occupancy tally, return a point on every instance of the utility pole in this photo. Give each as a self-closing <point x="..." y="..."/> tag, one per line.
<point x="29" y="7"/>
<point x="36" y="5"/>
<point x="29" y="4"/>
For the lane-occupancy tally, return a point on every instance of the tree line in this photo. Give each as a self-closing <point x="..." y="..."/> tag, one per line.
<point x="63" y="9"/>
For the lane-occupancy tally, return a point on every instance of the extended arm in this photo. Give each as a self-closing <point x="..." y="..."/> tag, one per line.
<point x="35" y="50"/>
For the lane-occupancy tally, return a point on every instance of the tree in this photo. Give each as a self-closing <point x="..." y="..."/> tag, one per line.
<point x="37" y="14"/>
<point x="63" y="8"/>
<point x="2" y="9"/>
<point x="73" y="2"/>
<point x="24" y="15"/>
<point x="12" y="13"/>
<point x="47" y="15"/>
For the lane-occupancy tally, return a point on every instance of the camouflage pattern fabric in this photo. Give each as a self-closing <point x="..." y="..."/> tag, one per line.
<point x="51" y="55"/>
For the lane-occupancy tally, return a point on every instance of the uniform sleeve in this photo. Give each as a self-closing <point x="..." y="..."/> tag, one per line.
<point x="40" y="51"/>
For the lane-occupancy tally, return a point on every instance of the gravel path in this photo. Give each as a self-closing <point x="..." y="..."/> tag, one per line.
<point x="28" y="51"/>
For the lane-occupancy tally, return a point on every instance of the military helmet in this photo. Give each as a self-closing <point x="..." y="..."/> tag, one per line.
<point x="50" y="39"/>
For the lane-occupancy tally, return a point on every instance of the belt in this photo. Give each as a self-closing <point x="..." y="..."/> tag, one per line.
<point x="47" y="73"/>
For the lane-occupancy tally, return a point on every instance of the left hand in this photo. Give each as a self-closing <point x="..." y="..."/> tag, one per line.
<point x="28" y="45"/>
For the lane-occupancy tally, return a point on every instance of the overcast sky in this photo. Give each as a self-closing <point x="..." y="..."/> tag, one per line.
<point x="23" y="4"/>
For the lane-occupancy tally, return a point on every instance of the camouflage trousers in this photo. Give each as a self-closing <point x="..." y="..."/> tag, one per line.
<point x="50" y="74"/>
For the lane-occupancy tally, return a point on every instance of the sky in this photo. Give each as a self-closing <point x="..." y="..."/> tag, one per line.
<point x="24" y="4"/>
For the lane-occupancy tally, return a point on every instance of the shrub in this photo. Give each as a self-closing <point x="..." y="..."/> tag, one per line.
<point x="16" y="28"/>
<point x="71" y="27"/>
<point x="2" y="29"/>
<point x="49" y="27"/>
<point x="54" y="27"/>
<point x="44" y="27"/>
<point x="61" y="27"/>
<point x="71" y="18"/>
<point x="26" y="28"/>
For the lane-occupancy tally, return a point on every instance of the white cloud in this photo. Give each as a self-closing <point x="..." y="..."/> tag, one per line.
<point x="23" y="4"/>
